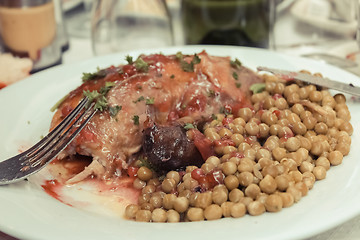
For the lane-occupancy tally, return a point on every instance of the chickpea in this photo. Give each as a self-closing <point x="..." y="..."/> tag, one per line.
<point x="181" y="204"/>
<point x="316" y="148"/>
<point x="213" y="212"/>
<point x="279" y="88"/>
<point x="147" y="206"/>
<point x="226" y="208"/>
<point x="296" y="193"/>
<point x="305" y="143"/>
<point x="159" y="215"/>
<point x="347" y="127"/>
<point x="143" y="216"/>
<point x="293" y="98"/>
<point x="335" y="157"/>
<point x="292" y="144"/>
<point x="252" y="191"/>
<point x="156" y="201"/>
<point x="269" y="102"/>
<point x="244" y="146"/>
<point x="256" y="208"/>
<point x="238" y="210"/>
<point x="281" y="103"/>
<point x="235" y="195"/>
<point x="270" y="170"/>
<point x="173" y="216"/>
<point x="315" y="96"/>
<point x="287" y="199"/>
<point x="269" y="118"/>
<point x="328" y="101"/>
<point x="264" y="130"/>
<point x="168" y="185"/>
<point x="174" y="175"/>
<point x="268" y="184"/>
<point x="343" y="148"/>
<point x="321" y="128"/>
<point x="229" y="168"/>
<point x="297" y="108"/>
<point x="309" y="122"/>
<point x="203" y="200"/>
<point x="252" y="128"/>
<point x="139" y="184"/>
<point x="195" y="214"/>
<point x="323" y="162"/>
<point x="306" y="167"/>
<point x="319" y="172"/>
<point x="231" y="182"/>
<point x="250" y="153"/>
<point x="245" y="178"/>
<point x="239" y="121"/>
<point x="302" y="188"/>
<point x="148" y="189"/>
<point x="207" y="167"/>
<point x="168" y="201"/>
<point x="273" y="203"/>
<point x="219" y="196"/>
<point x="213" y="160"/>
<point x="237" y="138"/>
<point x="131" y="210"/>
<point x="245" y="113"/>
<point x="340" y="98"/>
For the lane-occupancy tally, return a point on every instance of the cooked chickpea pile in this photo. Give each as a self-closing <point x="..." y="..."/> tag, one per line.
<point x="265" y="159"/>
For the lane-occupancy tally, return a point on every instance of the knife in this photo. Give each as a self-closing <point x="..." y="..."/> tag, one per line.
<point x="325" y="82"/>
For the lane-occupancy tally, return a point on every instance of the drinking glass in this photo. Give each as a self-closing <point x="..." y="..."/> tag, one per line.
<point x="228" y="22"/>
<point x="120" y="25"/>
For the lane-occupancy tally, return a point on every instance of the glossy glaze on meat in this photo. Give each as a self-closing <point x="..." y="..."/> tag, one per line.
<point x="175" y="94"/>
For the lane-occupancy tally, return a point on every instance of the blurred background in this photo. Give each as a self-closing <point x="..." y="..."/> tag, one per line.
<point x="46" y="33"/>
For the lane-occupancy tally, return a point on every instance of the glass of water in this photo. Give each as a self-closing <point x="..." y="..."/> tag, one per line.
<point x="121" y="25"/>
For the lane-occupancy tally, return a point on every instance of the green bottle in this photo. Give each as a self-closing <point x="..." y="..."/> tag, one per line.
<point x="227" y="22"/>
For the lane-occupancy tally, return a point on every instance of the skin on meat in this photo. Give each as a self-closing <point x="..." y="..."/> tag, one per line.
<point x="163" y="93"/>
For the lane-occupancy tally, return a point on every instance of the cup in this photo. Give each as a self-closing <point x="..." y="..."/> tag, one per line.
<point x="28" y="29"/>
<point x="228" y="22"/>
<point x="120" y="25"/>
<point x="358" y="18"/>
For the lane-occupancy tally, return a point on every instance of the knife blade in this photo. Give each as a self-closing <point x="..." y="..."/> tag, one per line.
<point x="320" y="81"/>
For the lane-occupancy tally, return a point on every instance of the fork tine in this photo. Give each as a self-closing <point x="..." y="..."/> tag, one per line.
<point x="19" y="167"/>
<point x="49" y="151"/>
<point x="59" y="128"/>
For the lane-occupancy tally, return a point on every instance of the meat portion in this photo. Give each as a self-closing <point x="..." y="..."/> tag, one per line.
<point x="168" y="148"/>
<point x="162" y="88"/>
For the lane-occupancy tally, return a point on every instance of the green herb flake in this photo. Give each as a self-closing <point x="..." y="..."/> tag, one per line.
<point x="92" y="76"/>
<point x="188" y="67"/>
<point x="211" y="93"/>
<point x="150" y="101"/>
<point x="235" y="63"/>
<point x="214" y="117"/>
<point x="129" y="59"/>
<point x="225" y="111"/>
<point x="141" y="98"/>
<point x="238" y="85"/>
<point x="135" y="119"/>
<point x="105" y="89"/>
<point x="101" y="103"/>
<point x="257" y="87"/>
<point x="141" y="65"/>
<point x="188" y="126"/>
<point x="172" y="76"/>
<point x="235" y="76"/>
<point x="114" y="110"/>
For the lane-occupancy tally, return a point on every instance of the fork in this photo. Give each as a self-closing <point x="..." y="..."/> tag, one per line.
<point x="42" y="153"/>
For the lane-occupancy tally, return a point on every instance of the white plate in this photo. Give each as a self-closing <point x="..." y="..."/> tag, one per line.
<point x="27" y="212"/>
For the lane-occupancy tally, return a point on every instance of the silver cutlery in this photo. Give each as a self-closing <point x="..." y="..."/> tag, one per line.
<point x="42" y="153"/>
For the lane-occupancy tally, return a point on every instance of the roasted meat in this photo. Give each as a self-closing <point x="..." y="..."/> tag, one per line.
<point x="154" y="89"/>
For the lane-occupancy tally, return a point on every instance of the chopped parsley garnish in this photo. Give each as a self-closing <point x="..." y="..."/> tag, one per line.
<point x="129" y="59"/>
<point x="235" y="63"/>
<point x="187" y="67"/>
<point x="100" y="100"/>
<point x="235" y="76"/>
<point x="141" y="65"/>
<point x="188" y="126"/>
<point x="150" y="101"/>
<point x="135" y="119"/>
<point x="141" y="98"/>
<point x="214" y="117"/>
<point x="238" y="85"/>
<point x="211" y="93"/>
<point x="92" y="76"/>
<point x="114" y="110"/>
<point x="257" y="87"/>
<point x="172" y="76"/>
